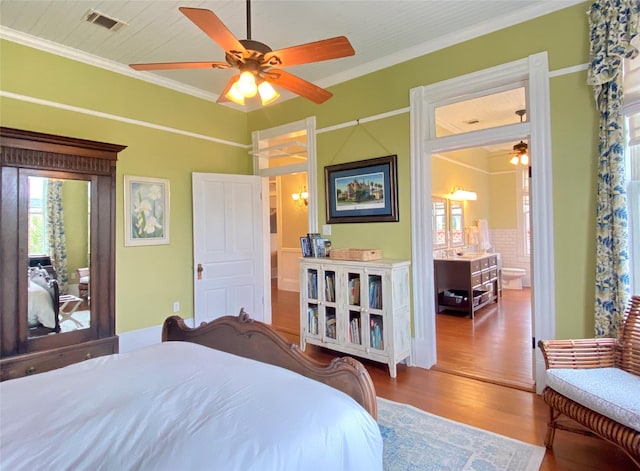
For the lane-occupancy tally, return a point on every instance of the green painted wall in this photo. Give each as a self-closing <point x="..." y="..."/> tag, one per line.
<point x="76" y="225"/>
<point x="294" y="216"/>
<point x="564" y="35"/>
<point x="149" y="279"/>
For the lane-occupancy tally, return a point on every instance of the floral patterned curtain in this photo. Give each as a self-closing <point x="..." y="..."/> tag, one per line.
<point x="613" y="25"/>
<point x="55" y="233"/>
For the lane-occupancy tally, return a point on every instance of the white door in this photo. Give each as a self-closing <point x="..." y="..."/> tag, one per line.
<point x="227" y="246"/>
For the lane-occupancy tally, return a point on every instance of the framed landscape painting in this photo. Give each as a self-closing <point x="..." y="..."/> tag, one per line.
<point x="146" y="211"/>
<point x="362" y="191"/>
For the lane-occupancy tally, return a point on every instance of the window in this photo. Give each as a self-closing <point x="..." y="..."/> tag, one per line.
<point x="38" y="243"/>
<point x="632" y="152"/>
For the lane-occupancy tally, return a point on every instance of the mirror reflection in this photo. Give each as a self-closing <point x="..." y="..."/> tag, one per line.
<point x="439" y="225"/>
<point x="456" y="223"/>
<point x="58" y="268"/>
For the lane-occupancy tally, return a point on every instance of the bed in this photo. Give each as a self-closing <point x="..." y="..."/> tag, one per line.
<point x="198" y="400"/>
<point x="43" y="301"/>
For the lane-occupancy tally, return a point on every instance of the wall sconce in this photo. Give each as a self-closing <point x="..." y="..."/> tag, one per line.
<point x="302" y="197"/>
<point x="460" y="194"/>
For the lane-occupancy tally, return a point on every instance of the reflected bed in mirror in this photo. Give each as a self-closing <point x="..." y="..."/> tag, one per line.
<point x="58" y="241"/>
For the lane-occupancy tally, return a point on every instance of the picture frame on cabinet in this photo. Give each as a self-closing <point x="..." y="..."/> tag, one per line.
<point x="362" y="191"/>
<point x="305" y="247"/>
<point x="146" y="211"/>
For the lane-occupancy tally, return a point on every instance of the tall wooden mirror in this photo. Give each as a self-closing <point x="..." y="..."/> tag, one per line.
<point x="58" y="250"/>
<point x="59" y="274"/>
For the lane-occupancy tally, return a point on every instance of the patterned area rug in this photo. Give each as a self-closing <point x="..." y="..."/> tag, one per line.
<point x="415" y="440"/>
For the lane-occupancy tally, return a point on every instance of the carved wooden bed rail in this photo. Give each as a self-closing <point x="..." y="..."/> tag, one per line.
<point x="242" y="336"/>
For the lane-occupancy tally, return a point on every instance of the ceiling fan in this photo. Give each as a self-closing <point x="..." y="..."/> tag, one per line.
<point x="258" y="65"/>
<point x="521" y="155"/>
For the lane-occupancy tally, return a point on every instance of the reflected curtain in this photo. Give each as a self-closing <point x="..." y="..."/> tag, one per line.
<point x="55" y="233"/>
<point x="613" y="24"/>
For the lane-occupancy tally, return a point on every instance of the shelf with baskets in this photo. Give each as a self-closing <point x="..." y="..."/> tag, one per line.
<point x="358" y="308"/>
<point x="466" y="285"/>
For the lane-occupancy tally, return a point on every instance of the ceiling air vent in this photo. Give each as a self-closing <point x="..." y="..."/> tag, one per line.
<point x="95" y="17"/>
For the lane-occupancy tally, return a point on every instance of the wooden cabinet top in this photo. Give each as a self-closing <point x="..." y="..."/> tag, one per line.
<point x="468" y="257"/>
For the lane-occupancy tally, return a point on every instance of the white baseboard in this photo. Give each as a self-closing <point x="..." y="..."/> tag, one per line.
<point x="135" y="339"/>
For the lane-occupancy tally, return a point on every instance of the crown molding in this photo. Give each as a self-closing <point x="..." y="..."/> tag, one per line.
<point x="96" y="61"/>
<point x="480" y="29"/>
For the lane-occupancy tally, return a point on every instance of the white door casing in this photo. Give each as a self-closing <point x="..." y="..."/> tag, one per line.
<point x="228" y="235"/>
<point x="262" y="169"/>
<point x="532" y="71"/>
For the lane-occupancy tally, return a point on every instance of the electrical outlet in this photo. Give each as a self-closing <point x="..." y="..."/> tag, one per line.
<point x="326" y="229"/>
<point x="176" y="306"/>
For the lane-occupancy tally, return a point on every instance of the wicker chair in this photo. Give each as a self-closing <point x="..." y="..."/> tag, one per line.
<point x="613" y="390"/>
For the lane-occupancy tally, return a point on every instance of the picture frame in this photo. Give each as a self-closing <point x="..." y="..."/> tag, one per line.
<point x="146" y="211"/>
<point x="362" y="191"/>
<point x="305" y="247"/>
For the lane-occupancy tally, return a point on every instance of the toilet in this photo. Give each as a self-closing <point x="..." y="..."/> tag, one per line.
<point x="512" y="278"/>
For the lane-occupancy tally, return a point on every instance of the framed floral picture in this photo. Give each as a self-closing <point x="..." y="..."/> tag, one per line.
<point x="146" y="211"/>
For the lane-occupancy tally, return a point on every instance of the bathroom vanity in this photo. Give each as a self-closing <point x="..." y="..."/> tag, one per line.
<point x="466" y="282"/>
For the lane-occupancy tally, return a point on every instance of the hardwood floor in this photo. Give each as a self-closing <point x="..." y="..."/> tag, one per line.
<point x="512" y="412"/>
<point x="495" y="346"/>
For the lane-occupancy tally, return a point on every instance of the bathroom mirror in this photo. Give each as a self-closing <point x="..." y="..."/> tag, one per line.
<point x="58" y="228"/>
<point x="456" y="223"/>
<point x="439" y="223"/>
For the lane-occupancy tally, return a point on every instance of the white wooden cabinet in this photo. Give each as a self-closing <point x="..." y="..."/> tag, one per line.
<point x="358" y="308"/>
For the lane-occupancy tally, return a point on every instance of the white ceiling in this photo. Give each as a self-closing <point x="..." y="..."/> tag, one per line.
<point x="382" y="32"/>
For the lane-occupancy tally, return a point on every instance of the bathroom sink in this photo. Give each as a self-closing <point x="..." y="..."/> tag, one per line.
<point x="471" y="256"/>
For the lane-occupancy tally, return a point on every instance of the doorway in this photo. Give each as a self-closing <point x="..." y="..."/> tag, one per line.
<point x="494" y="345"/>
<point x="531" y="72"/>
<point x="285" y="159"/>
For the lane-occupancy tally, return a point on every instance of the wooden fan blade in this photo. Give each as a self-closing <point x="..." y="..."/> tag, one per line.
<point x="208" y="22"/>
<point x="179" y="65"/>
<point x="297" y="85"/>
<point x="222" y="98"/>
<point x="326" y="49"/>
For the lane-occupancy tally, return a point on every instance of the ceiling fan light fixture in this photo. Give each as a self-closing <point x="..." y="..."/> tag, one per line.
<point x="235" y="95"/>
<point x="247" y="84"/>
<point x="515" y="160"/>
<point x="524" y="159"/>
<point x="267" y="93"/>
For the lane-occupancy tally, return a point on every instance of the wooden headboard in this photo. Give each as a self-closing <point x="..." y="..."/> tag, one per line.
<point x="242" y="336"/>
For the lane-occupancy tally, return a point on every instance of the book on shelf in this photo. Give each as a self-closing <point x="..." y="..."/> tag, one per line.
<point x="376" y="334"/>
<point x="312" y="313"/>
<point x="312" y="284"/>
<point x="354" y="291"/>
<point x="329" y="287"/>
<point x="375" y="292"/>
<point x="354" y="331"/>
<point x="331" y="327"/>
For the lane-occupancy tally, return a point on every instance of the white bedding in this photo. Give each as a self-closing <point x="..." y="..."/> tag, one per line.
<point x="182" y="406"/>
<point x="40" y="306"/>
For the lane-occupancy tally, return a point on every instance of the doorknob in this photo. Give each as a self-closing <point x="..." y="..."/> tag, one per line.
<point x="200" y="270"/>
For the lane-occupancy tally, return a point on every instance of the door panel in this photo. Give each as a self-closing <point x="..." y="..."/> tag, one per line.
<point x="227" y="228"/>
